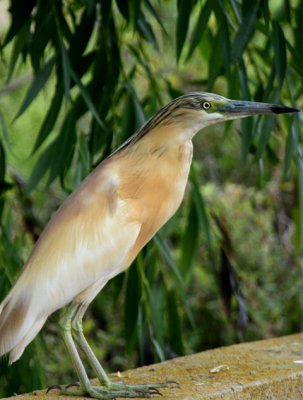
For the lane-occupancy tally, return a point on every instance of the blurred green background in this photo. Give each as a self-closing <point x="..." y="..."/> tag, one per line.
<point x="77" y="77"/>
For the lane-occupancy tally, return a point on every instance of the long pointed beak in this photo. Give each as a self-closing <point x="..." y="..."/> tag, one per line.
<point x="236" y="108"/>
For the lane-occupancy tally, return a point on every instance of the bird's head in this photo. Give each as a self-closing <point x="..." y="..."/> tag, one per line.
<point x="204" y="109"/>
<point x="188" y="114"/>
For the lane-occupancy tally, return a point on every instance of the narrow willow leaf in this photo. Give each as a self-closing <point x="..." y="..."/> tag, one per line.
<point x="134" y="10"/>
<point x="164" y="251"/>
<point x="41" y="167"/>
<point x="123" y="8"/>
<point x="6" y="138"/>
<point x="245" y="32"/>
<point x="63" y="146"/>
<point x="184" y="11"/>
<point x="140" y="117"/>
<point x="290" y="148"/>
<point x="225" y="43"/>
<point x="156" y="307"/>
<point x="20" y="12"/>
<point x="157" y="17"/>
<point x="158" y="349"/>
<point x="87" y="98"/>
<point x="297" y="58"/>
<point x="266" y="13"/>
<point x="265" y="133"/>
<point x="18" y="46"/>
<point x="215" y="62"/>
<point x="2" y="163"/>
<point x="236" y="8"/>
<point x="226" y="12"/>
<point x="279" y="52"/>
<point x="146" y="30"/>
<point x="66" y="70"/>
<point x="131" y="305"/>
<point x="174" y="326"/>
<point x="38" y="83"/>
<point x="201" y="211"/>
<point x="189" y="244"/>
<point x="247" y="124"/>
<point x="300" y="201"/>
<point x="51" y="117"/>
<point x="201" y="24"/>
<point x="84" y="154"/>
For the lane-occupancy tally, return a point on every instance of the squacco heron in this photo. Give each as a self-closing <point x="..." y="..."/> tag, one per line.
<point x="100" y="228"/>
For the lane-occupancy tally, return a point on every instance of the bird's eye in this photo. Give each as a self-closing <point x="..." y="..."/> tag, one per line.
<point x="206" y="105"/>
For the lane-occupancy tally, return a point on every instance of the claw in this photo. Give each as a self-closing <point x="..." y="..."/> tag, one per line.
<point x="155" y="391"/>
<point x="53" y="387"/>
<point x="75" y="384"/>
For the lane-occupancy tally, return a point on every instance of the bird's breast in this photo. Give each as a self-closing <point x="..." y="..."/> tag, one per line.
<point x="154" y="188"/>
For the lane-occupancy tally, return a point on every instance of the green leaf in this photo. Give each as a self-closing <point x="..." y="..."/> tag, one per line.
<point x="41" y="167"/>
<point x="84" y="154"/>
<point x="134" y="11"/>
<point x="165" y="253"/>
<point x="158" y="349"/>
<point x="245" y="32"/>
<point x="63" y="146"/>
<point x="184" y="11"/>
<point x="300" y="201"/>
<point x="247" y="124"/>
<point x="5" y="133"/>
<point x="123" y="8"/>
<point x="57" y="155"/>
<point x="157" y="17"/>
<point x="201" y="210"/>
<point x="215" y="63"/>
<point x="292" y="142"/>
<point x="189" y="244"/>
<point x="174" y="326"/>
<point x="279" y="53"/>
<point x="38" y="83"/>
<point x="2" y="163"/>
<point x="146" y="30"/>
<point x="156" y="307"/>
<point x="51" y="117"/>
<point x="87" y="98"/>
<point x="131" y="305"/>
<point x="66" y="70"/>
<point x="20" y="12"/>
<point x="265" y="133"/>
<point x="18" y="45"/>
<point x="225" y="44"/>
<point x="201" y="24"/>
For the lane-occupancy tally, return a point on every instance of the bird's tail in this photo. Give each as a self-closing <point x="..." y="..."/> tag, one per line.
<point x="18" y="325"/>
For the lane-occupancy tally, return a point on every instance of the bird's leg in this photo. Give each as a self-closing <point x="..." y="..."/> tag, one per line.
<point x="66" y="326"/>
<point x="80" y="338"/>
<point x="104" y="393"/>
<point x="142" y="390"/>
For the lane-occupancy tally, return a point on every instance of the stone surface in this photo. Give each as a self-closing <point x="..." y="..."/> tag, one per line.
<point x="268" y="369"/>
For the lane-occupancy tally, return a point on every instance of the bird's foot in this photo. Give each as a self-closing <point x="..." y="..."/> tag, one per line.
<point x="115" y="390"/>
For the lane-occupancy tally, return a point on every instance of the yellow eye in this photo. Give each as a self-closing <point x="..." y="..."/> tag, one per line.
<point x="206" y="105"/>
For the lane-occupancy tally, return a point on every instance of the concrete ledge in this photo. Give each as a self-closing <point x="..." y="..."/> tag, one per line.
<point x="267" y="369"/>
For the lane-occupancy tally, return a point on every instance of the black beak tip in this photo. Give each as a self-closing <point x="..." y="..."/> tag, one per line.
<point x="283" y="110"/>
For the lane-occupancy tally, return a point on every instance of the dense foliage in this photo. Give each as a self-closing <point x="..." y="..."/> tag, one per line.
<point x="80" y="76"/>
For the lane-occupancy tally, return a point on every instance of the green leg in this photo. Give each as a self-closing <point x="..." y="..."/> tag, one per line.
<point x="143" y="390"/>
<point x="72" y="321"/>
<point x="80" y="338"/>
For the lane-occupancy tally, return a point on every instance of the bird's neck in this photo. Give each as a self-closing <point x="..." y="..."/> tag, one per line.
<point x="167" y="138"/>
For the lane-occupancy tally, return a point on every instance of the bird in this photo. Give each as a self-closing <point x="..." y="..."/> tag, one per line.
<point x="100" y="228"/>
